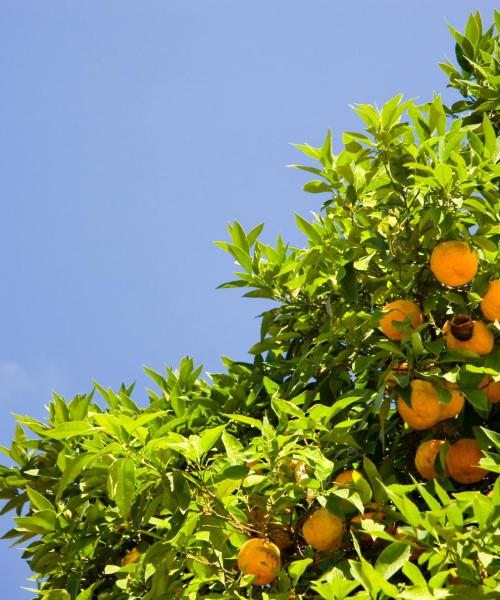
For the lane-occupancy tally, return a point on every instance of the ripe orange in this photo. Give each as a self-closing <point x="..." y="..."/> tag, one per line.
<point x="454" y="406"/>
<point x="490" y="388"/>
<point x="453" y="263"/>
<point x="464" y="334"/>
<point x="344" y="478"/>
<point x="323" y="530"/>
<point x="425" y="458"/>
<point x="260" y="558"/>
<point x="425" y="409"/>
<point x="399" y="311"/>
<point x="490" y="305"/>
<point x="462" y="461"/>
<point x="131" y="557"/>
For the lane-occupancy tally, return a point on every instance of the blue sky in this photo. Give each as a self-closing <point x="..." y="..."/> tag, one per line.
<point x="131" y="133"/>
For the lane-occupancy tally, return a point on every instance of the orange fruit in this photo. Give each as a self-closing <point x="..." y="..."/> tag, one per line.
<point x="454" y="406"/>
<point x="399" y="311"/>
<point x="425" y="409"/>
<point x="344" y="479"/>
<point x="462" y="461"/>
<point x="131" y="557"/>
<point x="323" y="530"/>
<point x="453" y="263"/>
<point x="490" y="305"/>
<point x="490" y="388"/>
<point x="464" y="334"/>
<point x="260" y="558"/>
<point x="425" y="458"/>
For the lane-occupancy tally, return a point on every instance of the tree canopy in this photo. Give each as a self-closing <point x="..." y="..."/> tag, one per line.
<point x="370" y="352"/>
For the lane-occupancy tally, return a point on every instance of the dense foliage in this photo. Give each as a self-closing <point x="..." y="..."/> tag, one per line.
<point x="118" y="501"/>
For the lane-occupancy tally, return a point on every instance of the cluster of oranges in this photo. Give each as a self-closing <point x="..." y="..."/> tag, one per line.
<point x="453" y="264"/>
<point x="321" y="529"/>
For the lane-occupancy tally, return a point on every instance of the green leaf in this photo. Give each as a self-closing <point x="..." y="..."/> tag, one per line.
<point x="392" y="558"/>
<point x="209" y="437"/>
<point x="182" y="491"/>
<point x="41" y="522"/>
<point x="334" y="585"/>
<point x="416" y="343"/>
<point x="317" y="187"/>
<point x="297" y="568"/>
<point x="234" y="448"/>
<point x="490" y="138"/>
<point x="493" y="436"/>
<point x="238" y="237"/>
<point x="285" y="406"/>
<point x="121" y="484"/>
<point x="88" y="593"/>
<point x="56" y="595"/>
<point x="363" y="263"/>
<point x="71" y="429"/>
<point x="72" y="470"/>
<point x="406" y="507"/>
<point x="391" y="348"/>
<point x="349" y="284"/>
<point x="244" y="419"/>
<point x="414" y="574"/>
<point x="308" y="229"/>
<point x="375" y="479"/>
<point x="38" y="501"/>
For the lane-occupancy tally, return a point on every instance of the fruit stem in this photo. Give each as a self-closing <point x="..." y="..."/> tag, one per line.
<point x="462" y="327"/>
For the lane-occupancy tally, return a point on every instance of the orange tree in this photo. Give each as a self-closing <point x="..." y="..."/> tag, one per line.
<point x="296" y="475"/>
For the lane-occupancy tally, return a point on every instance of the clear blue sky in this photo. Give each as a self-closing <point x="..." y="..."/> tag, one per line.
<point x="131" y="133"/>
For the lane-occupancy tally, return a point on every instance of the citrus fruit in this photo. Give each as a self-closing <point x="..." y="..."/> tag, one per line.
<point x="463" y="333"/>
<point x="425" y="409"/>
<point x="453" y="263"/>
<point x="131" y="557"/>
<point x="260" y="558"/>
<point x="323" y="530"/>
<point x="425" y="458"/>
<point x="462" y="461"/>
<point x="399" y="311"/>
<point x="490" y="388"/>
<point x="490" y="305"/>
<point x="344" y="478"/>
<point x="454" y="406"/>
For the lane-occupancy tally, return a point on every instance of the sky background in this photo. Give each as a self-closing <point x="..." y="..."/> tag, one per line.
<point x="131" y="133"/>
